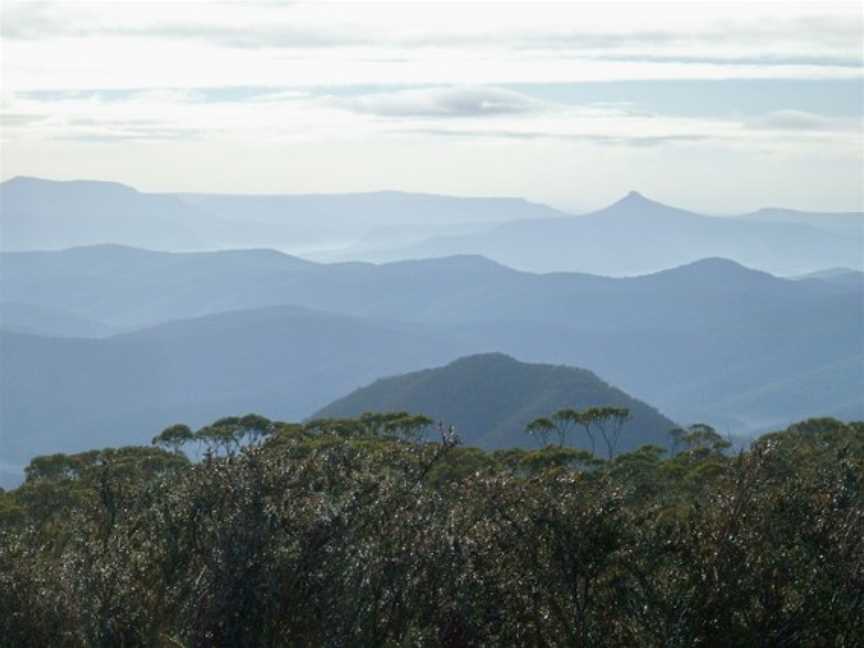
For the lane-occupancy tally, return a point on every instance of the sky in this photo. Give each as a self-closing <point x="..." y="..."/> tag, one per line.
<point x="718" y="107"/>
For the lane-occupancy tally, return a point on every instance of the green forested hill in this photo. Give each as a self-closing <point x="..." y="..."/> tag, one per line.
<point x="490" y="398"/>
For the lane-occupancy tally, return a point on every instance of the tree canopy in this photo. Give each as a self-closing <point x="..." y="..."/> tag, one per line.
<point x="377" y="531"/>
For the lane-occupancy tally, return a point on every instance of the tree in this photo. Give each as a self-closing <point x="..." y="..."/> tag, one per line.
<point x="174" y="437"/>
<point x="608" y="421"/>
<point x="541" y="428"/>
<point x="560" y="424"/>
<point x="230" y="433"/>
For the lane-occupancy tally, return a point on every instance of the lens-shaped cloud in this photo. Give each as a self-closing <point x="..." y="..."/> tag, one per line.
<point x="460" y="101"/>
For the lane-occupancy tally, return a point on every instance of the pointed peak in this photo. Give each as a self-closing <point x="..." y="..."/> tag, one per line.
<point x="636" y="205"/>
<point x="635" y="199"/>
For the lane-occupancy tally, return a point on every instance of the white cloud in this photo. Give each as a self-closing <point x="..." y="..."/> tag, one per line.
<point x="799" y="120"/>
<point x="462" y="101"/>
<point x="141" y="44"/>
<point x="463" y="112"/>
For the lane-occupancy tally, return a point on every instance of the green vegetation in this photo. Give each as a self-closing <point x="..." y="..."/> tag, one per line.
<point x="491" y="398"/>
<point x="360" y="533"/>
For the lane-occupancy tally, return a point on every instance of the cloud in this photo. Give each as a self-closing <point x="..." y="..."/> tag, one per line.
<point x="814" y="31"/>
<point x="32" y="20"/>
<point x="105" y="133"/>
<point x="283" y="37"/>
<point x="131" y="128"/>
<point x="465" y="101"/>
<point x="853" y="62"/>
<point x="225" y="26"/>
<point x="821" y="34"/>
<point x="240" y="44"/>
<point x="592" y="138"/>
<point x="799" y="120"/>
<point x="20" y="119"/>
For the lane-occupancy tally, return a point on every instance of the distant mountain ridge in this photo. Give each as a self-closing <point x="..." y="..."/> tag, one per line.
<point x="40" y="214"/>
<point x="635" y="235"/>
<point x="491" y="398"/>
<point x="691" y="340"/>
<point x="132" y="288"/>
<point x="844" y="278"/>
<point x="819" y="219"/>
<point x="50" y="214"/>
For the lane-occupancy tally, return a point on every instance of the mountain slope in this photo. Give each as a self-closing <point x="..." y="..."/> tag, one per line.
<point x="350" y="210"/>
<point x="690" y="340"/>
<point x="490" y="398"/>
<point x="835" y="389"/>
<point x="39" y="320"/>
<point x="133" y="288"/>
<point x="841" y="278"/>
<point x="71" y="394"/>
<point x="847" y="223"/>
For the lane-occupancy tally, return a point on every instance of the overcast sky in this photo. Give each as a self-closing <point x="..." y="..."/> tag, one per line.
<point x="717" y="107"/>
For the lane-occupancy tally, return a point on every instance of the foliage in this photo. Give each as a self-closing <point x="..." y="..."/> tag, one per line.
<point x="357" y="532"/>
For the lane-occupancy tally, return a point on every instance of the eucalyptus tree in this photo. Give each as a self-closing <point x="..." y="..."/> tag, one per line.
<point x="559" y="424"/>
<point x="608" y="421"/>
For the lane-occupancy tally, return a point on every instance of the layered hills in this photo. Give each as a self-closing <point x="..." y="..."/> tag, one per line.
<point x="67" y="394"/>
<point x="106" y="342"/>
<point x="215" y="333"/>
<point x="47" y="214"/>
<point x="637" y="235"/>
<point x="633" y="236"/>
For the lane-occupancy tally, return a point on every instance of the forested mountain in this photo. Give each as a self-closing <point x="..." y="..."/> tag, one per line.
<point x="637" y="235"/>
<point x="491" y="398"/>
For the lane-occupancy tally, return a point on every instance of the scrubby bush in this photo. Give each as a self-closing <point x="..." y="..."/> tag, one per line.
<point x="358" y="533"/>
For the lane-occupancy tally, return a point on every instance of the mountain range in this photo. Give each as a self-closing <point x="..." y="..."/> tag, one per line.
<point x="637" y="235"/>
<point x="130" y="288"/>
<point x="103" y="344"/>
<point x="38" y="214"/>
<point x="210" y="334"/>
<point x="633" y="236"/>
